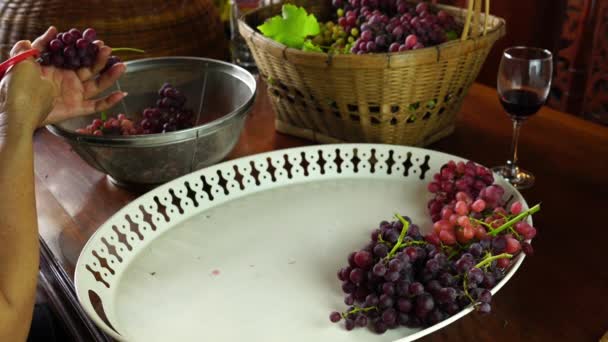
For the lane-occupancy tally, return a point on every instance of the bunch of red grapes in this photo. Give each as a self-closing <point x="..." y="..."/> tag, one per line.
<point x="71" y="49"/>
<point x="404" y="278"/>
<point x="168" y="115"/>
<point x="393" y="26"/>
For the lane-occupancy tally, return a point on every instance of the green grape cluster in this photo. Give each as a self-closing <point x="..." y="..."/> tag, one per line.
<point x="333" y="39"/>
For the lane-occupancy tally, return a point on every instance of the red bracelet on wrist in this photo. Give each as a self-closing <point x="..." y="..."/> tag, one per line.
<point x="17" y="59"/>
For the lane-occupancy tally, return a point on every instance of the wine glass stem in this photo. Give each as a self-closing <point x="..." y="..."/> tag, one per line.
<point x="513" y="169"/>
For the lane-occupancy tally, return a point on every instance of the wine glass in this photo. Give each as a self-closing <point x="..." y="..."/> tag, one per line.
<point x="524" y="79"/>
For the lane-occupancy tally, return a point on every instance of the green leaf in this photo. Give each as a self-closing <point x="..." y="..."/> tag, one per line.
<point x="104" y="116"/>
<point x="310" y="46"/>
<point x="292" y="27"/>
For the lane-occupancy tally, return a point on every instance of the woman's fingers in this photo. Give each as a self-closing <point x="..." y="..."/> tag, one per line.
<point x="87" y="107"/>
<point x="108" y="101"/>
<point x="102" y="57"/>
<point x="95" y="86"/>
<point x="41" y="42"/>
<point x="85" y="74"/>
<point x="20" y="46"/>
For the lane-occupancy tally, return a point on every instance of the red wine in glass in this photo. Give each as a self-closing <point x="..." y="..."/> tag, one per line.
<point x="521" y="104"/>
<point x="524" y="79"/>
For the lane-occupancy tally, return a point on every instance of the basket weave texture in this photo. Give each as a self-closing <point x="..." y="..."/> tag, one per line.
<point x="407" y="98"/>
<point x="160" y="27"/>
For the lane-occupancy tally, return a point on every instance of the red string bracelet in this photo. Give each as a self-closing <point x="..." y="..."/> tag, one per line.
<point x="17" y="59"/>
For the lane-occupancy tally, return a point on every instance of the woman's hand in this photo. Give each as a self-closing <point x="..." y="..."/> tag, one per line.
<point x="25" y="99"/>
<point x="27" y="89"/>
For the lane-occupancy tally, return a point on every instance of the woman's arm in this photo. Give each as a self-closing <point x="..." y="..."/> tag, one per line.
<point x="31" y="96"/>
<point x="19" y="254"/>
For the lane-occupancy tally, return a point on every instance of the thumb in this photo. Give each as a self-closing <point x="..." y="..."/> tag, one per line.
<point x="21" y="46"/>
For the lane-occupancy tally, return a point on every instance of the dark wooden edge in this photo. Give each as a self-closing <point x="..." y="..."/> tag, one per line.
<point x="63" y="301"/>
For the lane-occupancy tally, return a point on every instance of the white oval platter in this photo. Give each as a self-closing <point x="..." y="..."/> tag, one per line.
<point x="248" y="250"/>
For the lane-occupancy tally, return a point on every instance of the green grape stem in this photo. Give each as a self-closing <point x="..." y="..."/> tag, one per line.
<point x="357" y="310"/>
<point x="412" y="243"/>
<point x="488" y="260"/>
<point x="406" y="226"/>
<point x="128" y="50"/>
<point x="514" y="220"/>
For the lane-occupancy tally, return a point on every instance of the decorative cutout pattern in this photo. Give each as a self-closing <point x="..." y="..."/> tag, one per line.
<point x="116" y="243"/>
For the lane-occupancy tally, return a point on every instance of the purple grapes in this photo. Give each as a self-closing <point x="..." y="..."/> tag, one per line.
<point x="71" y="50"/>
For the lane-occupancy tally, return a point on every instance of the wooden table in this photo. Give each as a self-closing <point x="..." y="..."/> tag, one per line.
<point x="560" y="294"/>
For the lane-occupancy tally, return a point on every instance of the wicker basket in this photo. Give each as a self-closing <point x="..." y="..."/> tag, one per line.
<point x="160" y="27"/>
<point x="398" y="98"/>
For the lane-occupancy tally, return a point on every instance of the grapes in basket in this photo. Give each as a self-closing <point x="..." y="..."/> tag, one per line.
<point x="402" y="278"/>
<point x="364" y="26"/>
<point x="75" y="49"/>
<point x="167" y="115"/>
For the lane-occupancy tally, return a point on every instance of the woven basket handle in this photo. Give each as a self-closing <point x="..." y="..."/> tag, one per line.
<point x="474" y="15"/>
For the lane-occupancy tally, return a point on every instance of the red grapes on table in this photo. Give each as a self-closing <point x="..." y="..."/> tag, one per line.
<point x="167" y="115"/>
<point x="373" y="26"/>
<point x="404" y="278"/>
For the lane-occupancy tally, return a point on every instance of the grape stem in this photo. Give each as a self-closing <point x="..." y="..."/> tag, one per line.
<point x="486" y="261"/>
<point x="357" y="310"/>
<point x="128" y="50"/>
<point x="514" y="220"/>
<point x="412" y="243"/>
<point x="489" y="259"/>
<point x="406" y="226"/>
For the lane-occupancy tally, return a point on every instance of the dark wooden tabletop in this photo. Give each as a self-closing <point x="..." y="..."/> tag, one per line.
<point x="560" y="294"/>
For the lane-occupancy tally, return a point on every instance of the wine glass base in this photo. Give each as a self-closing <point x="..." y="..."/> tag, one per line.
<point x="522" y="180"/>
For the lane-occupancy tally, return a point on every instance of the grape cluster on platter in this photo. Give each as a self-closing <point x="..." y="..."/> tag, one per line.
<point x="404" y="278"/>
<point x="169" y="114"/>
<point x="372" y="26"/>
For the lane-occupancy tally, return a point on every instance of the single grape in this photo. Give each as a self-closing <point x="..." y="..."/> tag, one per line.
<point x="395" y="265"/>
<point x="68" y="38"/>
<point x="388" y="289"/>
<point x="371" y="300"/>
<point x="416" y="289"/>
<point x="381" y="250"/>
<point x="391" y="276"/>
<point x="349" y="324"/>
<point x="361" y="321"/>
<point x="502" y="263"/>
<point x="380" y="327"/>
<point x="527" y="248"/>
<point x="363" y="259"/>
<point x="347" y="286"/>
<point x="475" y="276"/>
<point x="89" y="34"/>
<point x="424" y="305"/>
<point x="56" y="45"/>
<point x="516" y="208"/>
<point x="334" y="316"/>
<point x="385" y="301"/>
<point x="512" y="246"/>
<point x="410" y="41"/>
<point x="379" y="269"/>
<point x="484" y="308"/>
<point x="389" y="316"/>
<point x="75" y="33"/>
